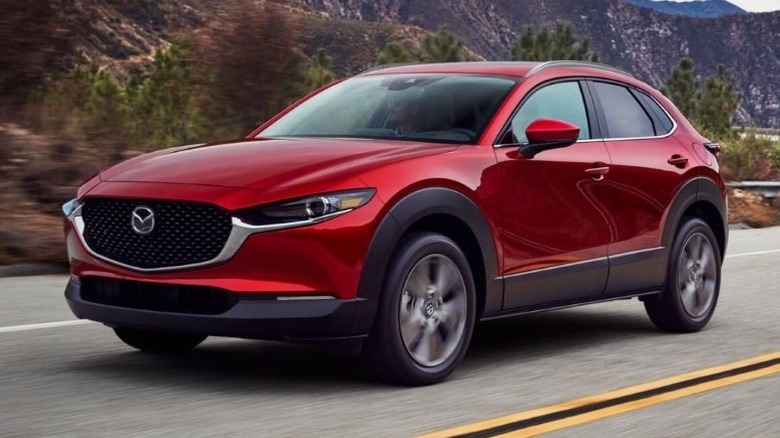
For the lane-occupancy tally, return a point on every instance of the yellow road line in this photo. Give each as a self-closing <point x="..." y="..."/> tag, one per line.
<point x="653" y="399"/>
<point x="639" y="404"/>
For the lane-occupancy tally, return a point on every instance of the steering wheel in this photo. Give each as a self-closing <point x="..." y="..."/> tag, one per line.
<point x="467" y="132"/>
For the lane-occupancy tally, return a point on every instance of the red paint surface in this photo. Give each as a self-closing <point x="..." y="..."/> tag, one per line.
<point x="543" y="130"/>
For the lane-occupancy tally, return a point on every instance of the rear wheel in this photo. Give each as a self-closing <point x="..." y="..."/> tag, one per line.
<point x="158" y="342"/>
<point x="693" y="281"/>
<point x="426" y="312"/>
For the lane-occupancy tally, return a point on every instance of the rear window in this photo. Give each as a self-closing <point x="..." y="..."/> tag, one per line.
<point x="625" y="116"/>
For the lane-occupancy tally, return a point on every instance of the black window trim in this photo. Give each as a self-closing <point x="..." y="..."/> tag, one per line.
<point x="632" y="90"/>
<point x="657" y="122"/>
<point x="594" y="118"/>
<point x="590" y="113"/>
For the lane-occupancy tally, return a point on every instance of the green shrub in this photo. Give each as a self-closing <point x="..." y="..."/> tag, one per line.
<point x="751" y="158"/>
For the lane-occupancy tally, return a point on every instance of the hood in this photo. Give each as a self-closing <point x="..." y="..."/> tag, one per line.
<point x="268" y="163"/>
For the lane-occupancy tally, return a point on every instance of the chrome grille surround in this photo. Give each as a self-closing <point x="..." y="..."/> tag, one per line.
<point x="182" y="233"/>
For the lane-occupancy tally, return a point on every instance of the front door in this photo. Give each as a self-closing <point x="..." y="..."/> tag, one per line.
<point x="554" y="231"/>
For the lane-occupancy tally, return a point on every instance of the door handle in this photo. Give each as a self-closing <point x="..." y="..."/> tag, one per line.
<point x="677" y="160"/>
<point x="597" y="173"/>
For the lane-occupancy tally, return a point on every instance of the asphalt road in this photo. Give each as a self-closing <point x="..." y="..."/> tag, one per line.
<point x="80" y="380"/>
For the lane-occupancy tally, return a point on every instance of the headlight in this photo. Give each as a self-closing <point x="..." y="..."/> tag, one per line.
<point x="309" y="209"/>
<point x="69" y="207"/>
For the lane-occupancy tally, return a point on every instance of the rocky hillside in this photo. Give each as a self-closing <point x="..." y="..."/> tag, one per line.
<point x="644" y="41"/>
<point x="649" y="43"/>
<point x="122" y="35"/>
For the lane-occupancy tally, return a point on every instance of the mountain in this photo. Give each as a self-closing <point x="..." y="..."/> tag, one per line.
<point x="643" y="41"/>
<point x="699" y="8"/>
<point x="123" y="35"/>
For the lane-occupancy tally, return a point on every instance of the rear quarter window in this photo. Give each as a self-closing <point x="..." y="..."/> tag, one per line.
<point x="663" y="123"/>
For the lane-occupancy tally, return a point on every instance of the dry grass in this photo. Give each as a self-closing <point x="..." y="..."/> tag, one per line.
<point x="751" y="209"/>
<point x="37" y="174"/>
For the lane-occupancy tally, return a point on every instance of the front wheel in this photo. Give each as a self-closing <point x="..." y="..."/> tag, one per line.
<point x="426" y="312"/>
<point x="693" y="281"/>
<point x="158" y="342"/>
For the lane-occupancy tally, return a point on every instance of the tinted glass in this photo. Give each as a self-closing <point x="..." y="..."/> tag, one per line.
<point x="562" y="100"/>
<point x="664" y="122"/>
<point x="451" y="108"/>
<point x="624" y="116"/>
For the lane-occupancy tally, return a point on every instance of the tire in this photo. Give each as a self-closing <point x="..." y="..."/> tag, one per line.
<point x="158" y="342"/>
<point x="426" y="312"/>
<point x="693" y="281"/>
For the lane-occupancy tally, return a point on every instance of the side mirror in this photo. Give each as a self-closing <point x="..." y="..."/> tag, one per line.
<point x="546" y="134"/>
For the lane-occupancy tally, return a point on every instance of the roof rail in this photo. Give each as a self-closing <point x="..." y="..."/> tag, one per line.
<point x="569" y="63"/>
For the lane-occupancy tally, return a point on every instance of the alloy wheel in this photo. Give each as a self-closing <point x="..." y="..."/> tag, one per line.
<point x="697" y="275"/>
<point x="433" y="310"/>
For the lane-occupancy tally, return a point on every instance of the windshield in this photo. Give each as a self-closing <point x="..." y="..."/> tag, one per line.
<point x="422" y="107"/>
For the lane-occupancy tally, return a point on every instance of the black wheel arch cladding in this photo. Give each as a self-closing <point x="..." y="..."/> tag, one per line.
<point x="400" y="218"/>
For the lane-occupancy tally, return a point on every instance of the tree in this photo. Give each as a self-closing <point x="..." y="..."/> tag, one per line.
<point x="682" y="88"/>
<point x="394" y="53"/>
<point x="249" y="69"/>
<point x="543" y="45"/>
<point x="716" y="103"/>
<point x="320" y="73"/>
<point x="148" y="112"/>
<point x="710" y="107"/>
<point x="104" y="112"/>
<point x="161" y="104"/>
<point x="88" y="105"/>
<point x="57" y="105"/>
<point x="443" y="46"/>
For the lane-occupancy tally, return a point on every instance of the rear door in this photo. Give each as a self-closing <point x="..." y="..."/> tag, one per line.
<point x="648" y="167"/>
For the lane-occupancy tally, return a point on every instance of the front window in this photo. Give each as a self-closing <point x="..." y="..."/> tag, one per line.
<point x="562" y="101"/>
<point x="421" y="107"/>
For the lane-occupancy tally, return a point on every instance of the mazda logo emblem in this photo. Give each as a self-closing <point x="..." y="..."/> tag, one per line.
<point x="142" y="220"/>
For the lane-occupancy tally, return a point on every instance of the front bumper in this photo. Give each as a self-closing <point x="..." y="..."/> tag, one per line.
<point x="324" y="258"/>
<point x="296" y="320"/>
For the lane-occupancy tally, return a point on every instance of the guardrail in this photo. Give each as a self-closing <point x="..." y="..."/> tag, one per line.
<point x="771" y="134"/>
<point x="767" y="189"/>
<point x="770" y="131"/>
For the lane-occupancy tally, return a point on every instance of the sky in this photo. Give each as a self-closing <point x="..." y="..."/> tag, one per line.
<point x="753" y="5"/>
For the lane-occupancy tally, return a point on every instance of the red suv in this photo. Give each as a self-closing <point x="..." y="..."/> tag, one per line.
<point x="387" y="213"/>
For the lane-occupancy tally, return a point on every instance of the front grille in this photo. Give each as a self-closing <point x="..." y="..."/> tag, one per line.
<point x="184" y="233"/>
<point x="159" y="297"/>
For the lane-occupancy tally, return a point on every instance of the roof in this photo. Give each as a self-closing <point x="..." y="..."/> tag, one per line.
<point x="516" y="69"/>
<point x="502" y="68"/>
